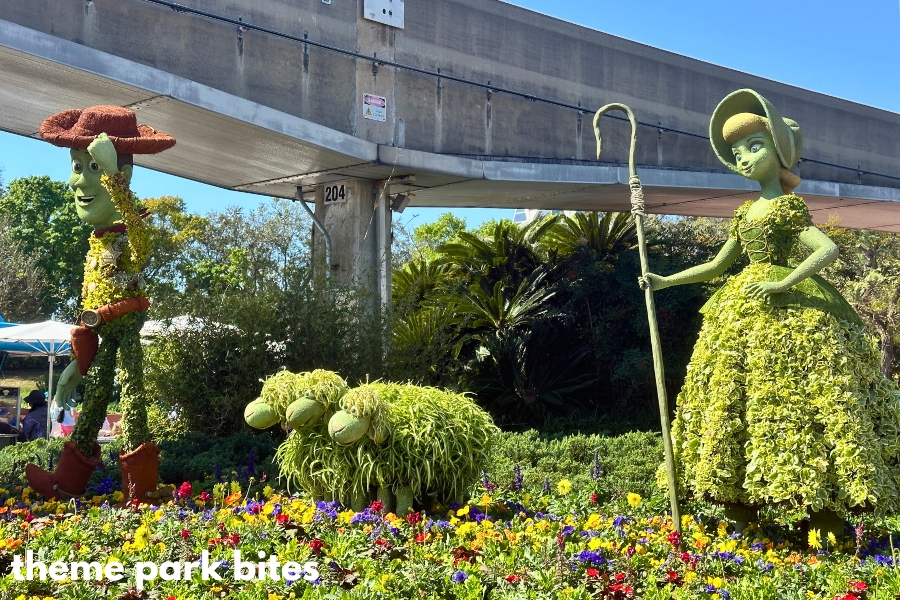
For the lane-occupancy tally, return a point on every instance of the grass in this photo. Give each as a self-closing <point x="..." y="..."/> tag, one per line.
<point x="27" y="379"/>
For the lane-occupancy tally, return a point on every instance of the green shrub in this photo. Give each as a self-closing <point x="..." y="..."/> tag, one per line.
<point x="627" y="462"/>
<point x="14" y="458"/>
<point x="194" y="457"/>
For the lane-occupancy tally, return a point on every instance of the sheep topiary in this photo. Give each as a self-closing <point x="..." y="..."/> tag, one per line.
<point x="421" y="441"/>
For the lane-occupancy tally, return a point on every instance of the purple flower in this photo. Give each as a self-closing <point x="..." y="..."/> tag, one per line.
<point x="516" y="485"/>
<point x="567" y="531"/>
<point x="459" y="577"/>
<point x="757" y="546"/>
<point x="595" y="470"/>
<point x="724" y="595"/>
<point x="546" y="484"/>
<point x="588" y="556"/>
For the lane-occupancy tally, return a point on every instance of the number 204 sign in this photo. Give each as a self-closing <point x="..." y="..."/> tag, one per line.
<point x="336" y="192"/>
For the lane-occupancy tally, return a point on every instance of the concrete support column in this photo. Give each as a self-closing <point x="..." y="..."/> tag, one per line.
<point x="358" y="222"/>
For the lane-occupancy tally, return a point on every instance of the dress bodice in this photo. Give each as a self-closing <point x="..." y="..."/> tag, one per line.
<point x="771" y="237"/>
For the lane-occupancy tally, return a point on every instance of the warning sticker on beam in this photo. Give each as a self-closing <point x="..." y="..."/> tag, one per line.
<point x="374" y="107"/>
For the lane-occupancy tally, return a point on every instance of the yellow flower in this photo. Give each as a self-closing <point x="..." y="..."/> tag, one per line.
<point x="815" y="539"/>
<point x="594" y="543"/>
<point x="273" y="596"/>
<point x="268" y="492"/>
<point x="464" y="511"/>
<point x="690" y="576"/>
<point x="832" y="539"/>
<point x="564" y="486"/>
<point x="634" y="500"/>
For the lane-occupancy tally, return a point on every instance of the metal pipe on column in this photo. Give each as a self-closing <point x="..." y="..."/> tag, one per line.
<point x="320" y="226"/>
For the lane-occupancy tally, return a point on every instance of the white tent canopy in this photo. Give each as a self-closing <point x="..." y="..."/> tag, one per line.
<point x="50" y="339"/>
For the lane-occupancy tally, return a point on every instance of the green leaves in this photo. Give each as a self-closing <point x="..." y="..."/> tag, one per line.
<point x="606" y="234"/>
<point x="42" y="218"/>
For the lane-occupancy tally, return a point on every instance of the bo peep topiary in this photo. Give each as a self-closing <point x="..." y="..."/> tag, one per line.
<point x="784" y="402"/>
<point x="426" y="441"/>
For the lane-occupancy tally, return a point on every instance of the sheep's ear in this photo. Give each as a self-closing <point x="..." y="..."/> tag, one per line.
<point x="378" y="434"/>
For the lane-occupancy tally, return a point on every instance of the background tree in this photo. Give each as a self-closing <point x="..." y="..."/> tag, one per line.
<point x="21" y="281"/>
<point x="42" y="218"/>
<point x="867" y="273"/>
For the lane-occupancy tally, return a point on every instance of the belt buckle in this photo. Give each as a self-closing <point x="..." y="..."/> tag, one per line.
<point x="91" y="318"/>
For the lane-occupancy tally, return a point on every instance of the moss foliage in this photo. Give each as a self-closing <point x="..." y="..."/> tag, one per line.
<point x="786" y="405"/>
<point x="439" y="443"/>
<point x="282" y="389"/>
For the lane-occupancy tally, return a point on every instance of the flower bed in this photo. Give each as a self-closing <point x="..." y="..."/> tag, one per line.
<point x="546" y="543"/>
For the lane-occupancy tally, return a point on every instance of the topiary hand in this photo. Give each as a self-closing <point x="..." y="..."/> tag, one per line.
<point x="65" y="387"/>
<point x="652" y="281"/>
<point x="103" y="151"/>
<point x="762" y="290"/>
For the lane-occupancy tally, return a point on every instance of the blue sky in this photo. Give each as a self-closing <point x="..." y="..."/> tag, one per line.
<point x="846" y="49"/>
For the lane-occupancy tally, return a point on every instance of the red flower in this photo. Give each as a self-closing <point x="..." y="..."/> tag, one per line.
<point x="591" y="572"/>
<point x="205" y="496"/>
<point x="619" y="576"/>
<point x="512" y="578"/>
<point x="316" y="545"/>
<point x="845" y="597"/>
<point x="382" y="543"/>
<point x="672" y="576"/>
<point x="185" y="533"/>
<point x="282" y="519"/>
<point x="685" y="557"/>
<point x="859" y="586"/>
<point x="420" y="538"/>
<point x="674" y="538"/>
<point x="171" y="598"/>
<point x="594" y="498"/>
<point x="185" y="490"/>
<point x="29" y="518"/>
<point x="234" y="539"/>
<point x="413" y="518"/>
<point x="377" y="505"/>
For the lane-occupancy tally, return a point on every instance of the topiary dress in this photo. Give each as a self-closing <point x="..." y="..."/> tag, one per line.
<point x="785" y="403"/>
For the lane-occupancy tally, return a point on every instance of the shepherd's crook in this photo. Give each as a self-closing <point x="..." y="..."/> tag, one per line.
<point x="637" y="208"/>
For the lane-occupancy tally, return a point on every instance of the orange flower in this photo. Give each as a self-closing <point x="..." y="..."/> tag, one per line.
<point x="233" y="499"/>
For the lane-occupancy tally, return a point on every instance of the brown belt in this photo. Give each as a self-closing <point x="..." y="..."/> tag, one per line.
<point x="85" y="340"/>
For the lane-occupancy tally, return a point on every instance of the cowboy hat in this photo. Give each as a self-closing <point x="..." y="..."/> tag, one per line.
<point x="785" y="132"/>
<point x="76" y="128"/>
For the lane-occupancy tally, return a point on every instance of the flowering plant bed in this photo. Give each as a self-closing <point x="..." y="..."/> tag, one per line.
<point x="551" y="542"/>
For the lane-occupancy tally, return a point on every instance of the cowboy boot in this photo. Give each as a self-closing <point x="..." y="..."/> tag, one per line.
<point x="140" y="472"/>
<point x="70" y="478"/>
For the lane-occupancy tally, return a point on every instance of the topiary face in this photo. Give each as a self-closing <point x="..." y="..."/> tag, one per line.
<point x="755" y="156"/>
<point x="259" y="414"/>
<point x="92" y="201"/>
<point x="345" y="429"/>
<point x="304" y="412"/>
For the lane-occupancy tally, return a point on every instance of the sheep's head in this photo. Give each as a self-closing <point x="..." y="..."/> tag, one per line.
<point x="364" y="413"/>
<point x="295" y="400"/>
<point x="315" y="393"/>
<point x="269" y="408"/>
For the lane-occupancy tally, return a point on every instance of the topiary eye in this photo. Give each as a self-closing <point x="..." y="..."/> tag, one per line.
<point x="94" y="166"/>
<point x="76" y="166"/>
<point x="756" y="147"/>
<point x="737" y="157"/>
